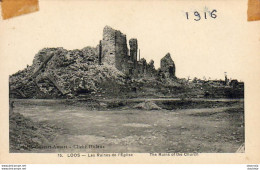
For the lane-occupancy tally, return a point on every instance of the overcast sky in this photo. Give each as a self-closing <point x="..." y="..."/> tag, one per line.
<point x="199" y="48"/>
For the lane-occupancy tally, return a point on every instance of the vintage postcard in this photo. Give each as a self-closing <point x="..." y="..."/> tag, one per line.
<point x="129" y="82"/>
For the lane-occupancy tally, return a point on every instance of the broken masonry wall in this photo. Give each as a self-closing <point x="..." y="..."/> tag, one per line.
<point x="99" y="48"/>
<point x="108" y="46"/>
<point x="133" y="50"/>
<point x="121" y="50"/>
<point x="141" y="68"/>
<point x="168" y="66"/>
<point x="151" y="69"/>
<point x="114" y="48"/>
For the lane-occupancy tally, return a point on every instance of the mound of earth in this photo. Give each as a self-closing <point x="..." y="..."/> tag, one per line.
<point x="24" y="134"/>
<point x="147" y="105"/>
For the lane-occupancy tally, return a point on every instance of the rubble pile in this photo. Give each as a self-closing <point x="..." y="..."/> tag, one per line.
<point x="102" y="71"/>
<point x="108" y="71"/>
<point x="57" y="73"/>
<point x="147" y="105"/>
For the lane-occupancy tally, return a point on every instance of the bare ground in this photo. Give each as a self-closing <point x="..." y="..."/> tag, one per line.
<point x="203" y="128"/>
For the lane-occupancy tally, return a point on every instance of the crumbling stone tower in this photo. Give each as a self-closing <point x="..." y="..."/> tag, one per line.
<point x="114" y="47"/>
<point x="113" y="51"/>
<point x="133" y="50"/>
<point x="168" y="66"/>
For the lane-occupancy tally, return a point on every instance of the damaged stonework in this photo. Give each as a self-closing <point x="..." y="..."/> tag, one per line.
<point x="168" y="66"/>
<point x="114" y="47"/>
<point x="133" y="51"/>
<point x="110" y="70"/>
<point x="107" y="68"/>
<point x="114" y="52"/>
<point x="57" y="73"/>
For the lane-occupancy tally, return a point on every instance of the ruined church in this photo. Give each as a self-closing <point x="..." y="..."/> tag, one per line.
<point x="113" y="50"/>
<point x="57" y="72"/>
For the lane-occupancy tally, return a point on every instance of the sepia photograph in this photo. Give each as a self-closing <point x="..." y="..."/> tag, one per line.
<point x="110" y="99"/>
<point x="121" y="77"/>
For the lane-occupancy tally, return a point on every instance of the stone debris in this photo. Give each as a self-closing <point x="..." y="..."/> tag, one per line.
<point x="168" y="66"/>
<point x="147" y="105"/>
<point x="92" y="71"/>
<point x="114" y="51"/>
<point x="57" y="72"/>
<point x="108" y="70"/>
